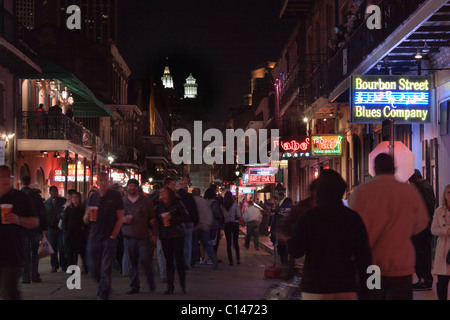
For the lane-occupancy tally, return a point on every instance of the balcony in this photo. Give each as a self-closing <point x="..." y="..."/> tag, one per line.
<point x="53" y="133"/>
<point x="293" y="89"/>
<point x="366" y="49"/>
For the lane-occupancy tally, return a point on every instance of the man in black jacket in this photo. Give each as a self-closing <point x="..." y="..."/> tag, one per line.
<point x="31" y="269"/>
<point x="191" y="207"/>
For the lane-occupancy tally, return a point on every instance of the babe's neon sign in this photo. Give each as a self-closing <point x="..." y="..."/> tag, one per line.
<point x="295" y="147"/>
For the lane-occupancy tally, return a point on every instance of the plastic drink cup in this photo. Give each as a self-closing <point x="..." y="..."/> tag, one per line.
<point x="93" y="213"/>
<point x="165" y="218"/>
<point x="6" y="209"/>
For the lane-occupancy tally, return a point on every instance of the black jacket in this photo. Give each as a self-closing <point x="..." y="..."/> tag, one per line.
<point x="38" y="204"/>
<point x="335" y="241"/>
<point x="178" y="218"/>
<point x="190" y="205"/>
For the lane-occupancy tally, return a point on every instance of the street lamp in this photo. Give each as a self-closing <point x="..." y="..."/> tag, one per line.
<point x="418" y="58"/>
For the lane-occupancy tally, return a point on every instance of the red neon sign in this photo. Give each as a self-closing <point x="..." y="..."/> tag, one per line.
<point x="294" y="145"/>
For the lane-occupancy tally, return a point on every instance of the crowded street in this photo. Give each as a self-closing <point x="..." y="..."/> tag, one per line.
<point x="224" y="159"/>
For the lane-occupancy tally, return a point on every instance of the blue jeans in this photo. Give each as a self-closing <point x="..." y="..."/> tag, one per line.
<point x="189" y="229"/>
<point x="138" y="251"/>
<point x="205" y="237"/>
<point x="55" y="238"/>
<point x="161" y="259"/>
<point x="101" y="260"/>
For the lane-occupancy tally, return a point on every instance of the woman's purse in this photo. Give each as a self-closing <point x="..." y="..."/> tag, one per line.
<point x="448" y="257"/>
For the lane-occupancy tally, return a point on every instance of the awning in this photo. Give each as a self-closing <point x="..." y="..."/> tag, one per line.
<point x="86" y="104"/>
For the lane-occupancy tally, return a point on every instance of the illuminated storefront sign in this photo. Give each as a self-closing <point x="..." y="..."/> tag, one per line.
<point x="117" y="176"/>
<point x="295" y="147"/>
<point x="279" y="163"/>
<point x="262" y="175"/>
<point x="326" y="145"/>
<point x="60" y="177"/>
<point x="406" y="99"/>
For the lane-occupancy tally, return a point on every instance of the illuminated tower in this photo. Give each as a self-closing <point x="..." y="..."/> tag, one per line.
<point x="167" y="79"/>
<point x="190" y="87"/>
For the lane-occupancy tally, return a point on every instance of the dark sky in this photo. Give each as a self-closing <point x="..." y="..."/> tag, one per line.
<point x="218" y="41"/>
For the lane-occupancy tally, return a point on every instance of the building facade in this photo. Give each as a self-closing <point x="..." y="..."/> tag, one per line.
<point x="340" y="45"/>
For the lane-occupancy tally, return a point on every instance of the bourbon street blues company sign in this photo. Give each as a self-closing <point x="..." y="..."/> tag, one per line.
<point x="406" y="99"/>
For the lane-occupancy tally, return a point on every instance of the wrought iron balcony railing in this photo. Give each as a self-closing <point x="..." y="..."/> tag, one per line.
<point x="327" y="76"/>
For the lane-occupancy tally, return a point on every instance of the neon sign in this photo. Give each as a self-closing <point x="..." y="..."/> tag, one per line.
<point x="326" y="145"/>
<point x="58" y="175"/>
<point x="406" y="99"/>
<point x="295" y="147"/>
<point x="262" y="175"/>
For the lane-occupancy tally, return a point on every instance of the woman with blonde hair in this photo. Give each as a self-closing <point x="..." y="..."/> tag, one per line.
<point x="440" y="227"/>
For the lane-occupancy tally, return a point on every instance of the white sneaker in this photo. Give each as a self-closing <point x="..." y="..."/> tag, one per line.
<point x="202" y="261"/>
<point x="209" y="262"/>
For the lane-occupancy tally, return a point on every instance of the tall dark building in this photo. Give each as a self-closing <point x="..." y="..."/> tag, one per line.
<point x="99" y="18"/>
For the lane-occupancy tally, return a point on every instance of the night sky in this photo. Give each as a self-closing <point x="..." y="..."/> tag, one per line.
<point x="218" y="41"/>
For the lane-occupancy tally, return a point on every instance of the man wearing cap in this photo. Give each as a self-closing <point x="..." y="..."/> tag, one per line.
<point x="424" y="240"/>
<point x="138" y="220"/>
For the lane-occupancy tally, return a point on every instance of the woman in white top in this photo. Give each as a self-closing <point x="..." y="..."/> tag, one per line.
<point x="232" y="215"/>
<point x="441" y="227"/>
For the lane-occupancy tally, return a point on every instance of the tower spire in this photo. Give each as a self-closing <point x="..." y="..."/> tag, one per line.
<point x="190" y="87"/>
<point x="167" y="79"/>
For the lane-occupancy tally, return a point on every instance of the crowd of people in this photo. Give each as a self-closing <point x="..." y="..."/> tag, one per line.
<point x="386" y="223"/>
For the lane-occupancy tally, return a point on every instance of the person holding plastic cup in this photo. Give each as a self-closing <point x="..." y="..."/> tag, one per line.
<point x="18" y="214"/>
<point x="171" y="215"/>
<point x="104" y="214"/>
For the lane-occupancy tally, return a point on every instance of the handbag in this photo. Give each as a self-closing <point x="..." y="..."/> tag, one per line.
<point x="448" y="257"/>
<point x="45" y="249"/>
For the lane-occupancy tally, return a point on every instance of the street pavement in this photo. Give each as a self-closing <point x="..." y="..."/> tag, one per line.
<point x="238" y="282"/>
